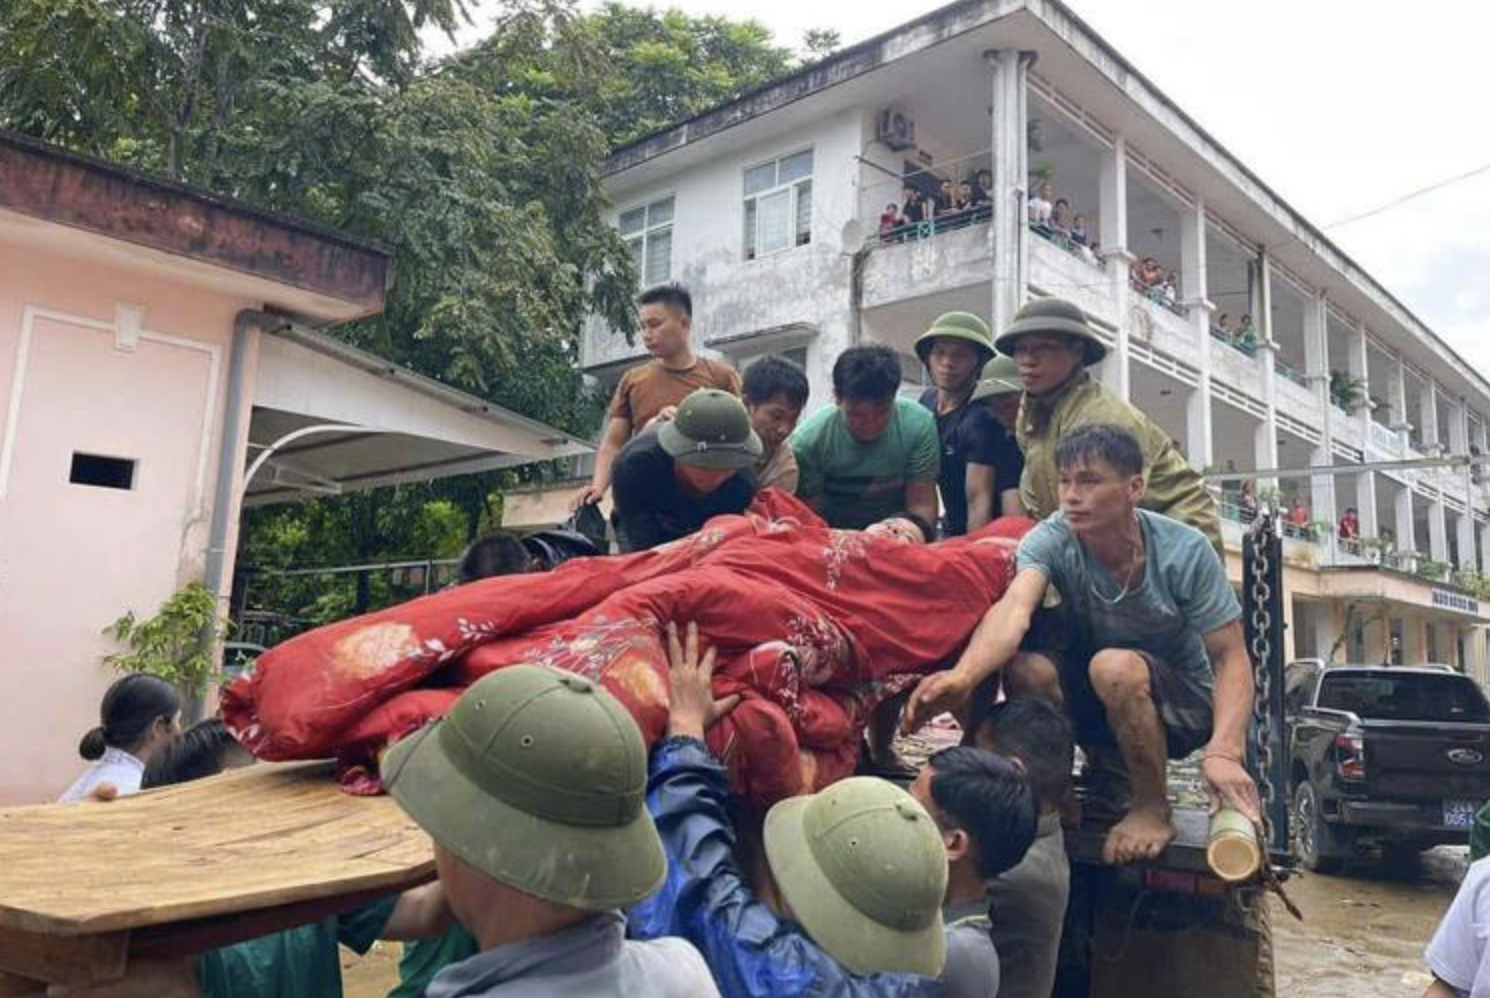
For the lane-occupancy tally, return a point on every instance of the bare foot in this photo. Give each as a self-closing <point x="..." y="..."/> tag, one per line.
<point x="1142" y="834"/>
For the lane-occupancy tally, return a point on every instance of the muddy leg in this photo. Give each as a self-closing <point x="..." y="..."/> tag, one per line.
<point x="1120" y="679"/>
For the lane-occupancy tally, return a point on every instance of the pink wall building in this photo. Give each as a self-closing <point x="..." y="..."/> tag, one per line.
<point x="154" y="342"/>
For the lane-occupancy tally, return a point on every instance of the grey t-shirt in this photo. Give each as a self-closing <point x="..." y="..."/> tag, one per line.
<point x="588" y="960"/>
<point x="1183" y="597"/>
<point x="972" y="967"/>
<point x="1027" y="906"/>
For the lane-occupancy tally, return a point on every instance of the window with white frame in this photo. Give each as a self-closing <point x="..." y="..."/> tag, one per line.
<point x="648" y="231"/>
<point x="778" y="205"/>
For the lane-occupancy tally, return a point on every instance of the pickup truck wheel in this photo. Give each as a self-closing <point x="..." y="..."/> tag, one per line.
<point x="1321" y="846"/>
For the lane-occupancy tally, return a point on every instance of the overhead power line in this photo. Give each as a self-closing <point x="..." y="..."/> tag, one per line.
<point x="1485" y="168"/>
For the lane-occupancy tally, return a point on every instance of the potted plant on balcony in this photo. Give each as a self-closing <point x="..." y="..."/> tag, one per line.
<point x="1347" y="391"/>
<point x="1434" y="571"/>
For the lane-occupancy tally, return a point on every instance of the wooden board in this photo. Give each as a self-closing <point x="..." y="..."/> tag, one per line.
<point x="264" y="837"/>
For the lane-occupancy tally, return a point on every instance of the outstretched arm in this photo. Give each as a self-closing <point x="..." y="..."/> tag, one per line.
<point x="995" y="641"/>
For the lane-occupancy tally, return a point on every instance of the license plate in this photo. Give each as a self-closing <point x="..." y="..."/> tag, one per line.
<point x="1458" y="813"/>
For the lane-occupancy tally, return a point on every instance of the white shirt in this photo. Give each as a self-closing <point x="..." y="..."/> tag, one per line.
<point x="1039" y="210"/>
<point x="1457" y="954"/>
<point x="117" y="766"/>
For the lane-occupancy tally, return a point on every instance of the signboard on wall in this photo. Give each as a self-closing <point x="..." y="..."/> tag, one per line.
<point x="1449" y="599"/>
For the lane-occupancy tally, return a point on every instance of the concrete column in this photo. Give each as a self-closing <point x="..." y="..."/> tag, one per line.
<point x="1485" y="548"/>
<point x="1010" y="229"/>
<point x="1267" y="433"/>
<point x="1401" y="420"/>
<point x="1428" y="415"/>
<point x="1469" y="556"/>
<point x="1477" y="666"/>
<point x="1365" y="502"/>
<point x="1438" y="532"/>
<point x="1376" y="638"/>
<point x="1414" y="640"/>
<point x="1327" y="624"/>
<point x="1198" y="423"/>
<point x="1112" y="198"/>
<point x="1317" y="367"/>
<point x="1407" y="541"/>
<point x="1359" y="361"/>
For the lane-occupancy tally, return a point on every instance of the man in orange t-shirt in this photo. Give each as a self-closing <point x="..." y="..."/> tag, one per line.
<point x="656" y="387"/>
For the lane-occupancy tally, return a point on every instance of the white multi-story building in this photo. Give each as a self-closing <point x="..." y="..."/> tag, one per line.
<point x="767" y="209"/>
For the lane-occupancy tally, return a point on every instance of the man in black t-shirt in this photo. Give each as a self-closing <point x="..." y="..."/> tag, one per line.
<point x="670" y="479"/>
<point x="999" y="392"/>
<point x="954" y="350"/>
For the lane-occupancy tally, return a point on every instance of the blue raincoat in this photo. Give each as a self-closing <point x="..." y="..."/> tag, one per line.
<point x="751" y="952"/>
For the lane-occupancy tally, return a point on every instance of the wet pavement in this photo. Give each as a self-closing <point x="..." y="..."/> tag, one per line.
<point x="1364" y="933"/>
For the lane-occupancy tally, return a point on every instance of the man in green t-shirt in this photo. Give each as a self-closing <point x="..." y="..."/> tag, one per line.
<point x="871" y="454"/>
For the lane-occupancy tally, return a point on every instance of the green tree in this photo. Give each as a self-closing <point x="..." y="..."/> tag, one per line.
<point x="821" y="42"/>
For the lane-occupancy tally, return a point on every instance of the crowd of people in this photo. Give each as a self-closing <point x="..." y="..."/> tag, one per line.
<point x="1242" y="335"/>
<point x="956" y="203"/>
<point x="574" y="858"/>
<point x="1053" y="218"/>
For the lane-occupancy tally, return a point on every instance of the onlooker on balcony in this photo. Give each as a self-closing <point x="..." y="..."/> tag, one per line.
<point x="1246" y="336"/>
<point x="946" y="199"/>
<point x="1169" y="291"/>
<point x="980" y="200"/>
<point x="1247" y="502"/>
<point x="1350" y="525"/>
<point x="1040" y="208"/>
<point x="891" y="222"/>
<point x="872" y="454"/>
<point x="1078" y="234"/>
<point x="1298" y="514"/>
<point x="1053" y="343"/>
<point x="1060" y="217"/>
<point x="1222" y="328"/>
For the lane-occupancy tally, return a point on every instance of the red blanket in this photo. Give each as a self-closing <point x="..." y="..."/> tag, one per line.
<point x="814" y="627"/>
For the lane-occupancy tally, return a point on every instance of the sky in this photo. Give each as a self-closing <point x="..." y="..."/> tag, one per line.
<point x="1338" y="106"/>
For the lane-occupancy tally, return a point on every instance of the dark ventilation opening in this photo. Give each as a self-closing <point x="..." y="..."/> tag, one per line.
<point x="102" y="472"/>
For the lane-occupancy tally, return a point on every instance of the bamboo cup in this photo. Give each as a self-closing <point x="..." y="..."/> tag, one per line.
<point x="1232" y="850"/>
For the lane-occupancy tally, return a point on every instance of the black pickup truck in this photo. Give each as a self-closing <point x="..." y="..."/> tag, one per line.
<point x="1390" y="756"/>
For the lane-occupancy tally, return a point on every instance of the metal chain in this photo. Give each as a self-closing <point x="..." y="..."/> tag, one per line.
<point x="1262" y="656"/>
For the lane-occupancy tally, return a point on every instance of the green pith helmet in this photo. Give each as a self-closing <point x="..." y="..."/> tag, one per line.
<point x="863" y="867"/>
<point x="711" y="430"/>
<point x="1000" y="377"/>
<point x="1052" y="315"/>
<point x="963" y="326"/>
<point x="538" y="779"/>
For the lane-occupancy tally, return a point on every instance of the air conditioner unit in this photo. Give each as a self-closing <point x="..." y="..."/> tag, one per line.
<point x="895" y="129"/>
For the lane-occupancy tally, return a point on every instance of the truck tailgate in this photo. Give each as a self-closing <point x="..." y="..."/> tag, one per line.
<point x="1423" y="761"/>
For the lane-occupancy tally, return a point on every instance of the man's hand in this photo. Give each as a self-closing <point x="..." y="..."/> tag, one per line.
<point x="664" y="415"/>
<point x="104" y="792"/>
<point x="938" y="693"/>
<point x="692" y="708"/>
<point x="587" y="496"/>
<point x="1226" y="779"/>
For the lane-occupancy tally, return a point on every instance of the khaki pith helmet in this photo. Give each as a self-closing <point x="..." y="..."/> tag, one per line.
<point x="1000" y="377"/>
<point x="1052" y="315"/>
<point x="963" y="326"/>
<point x="711" y="430"/>
<point x="863" y="867"/>
<point x="538" y="779"/>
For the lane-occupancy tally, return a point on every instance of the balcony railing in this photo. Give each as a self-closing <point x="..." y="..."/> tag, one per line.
<point x="1292" y="373"/>
<point x="931" y="227"/>
<point x="1075" y="247"/>
<point x="1157" y="293"/>
<point x="1243" y="343"/>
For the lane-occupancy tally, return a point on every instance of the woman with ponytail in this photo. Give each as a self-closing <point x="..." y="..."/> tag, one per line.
<point x="139" y="713"/>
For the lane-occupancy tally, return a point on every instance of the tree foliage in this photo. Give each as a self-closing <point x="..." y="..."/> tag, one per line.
<point x="481" y="171"/>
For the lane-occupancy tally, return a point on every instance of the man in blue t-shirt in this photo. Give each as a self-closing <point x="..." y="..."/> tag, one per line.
<point x="1156" y="662"/>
